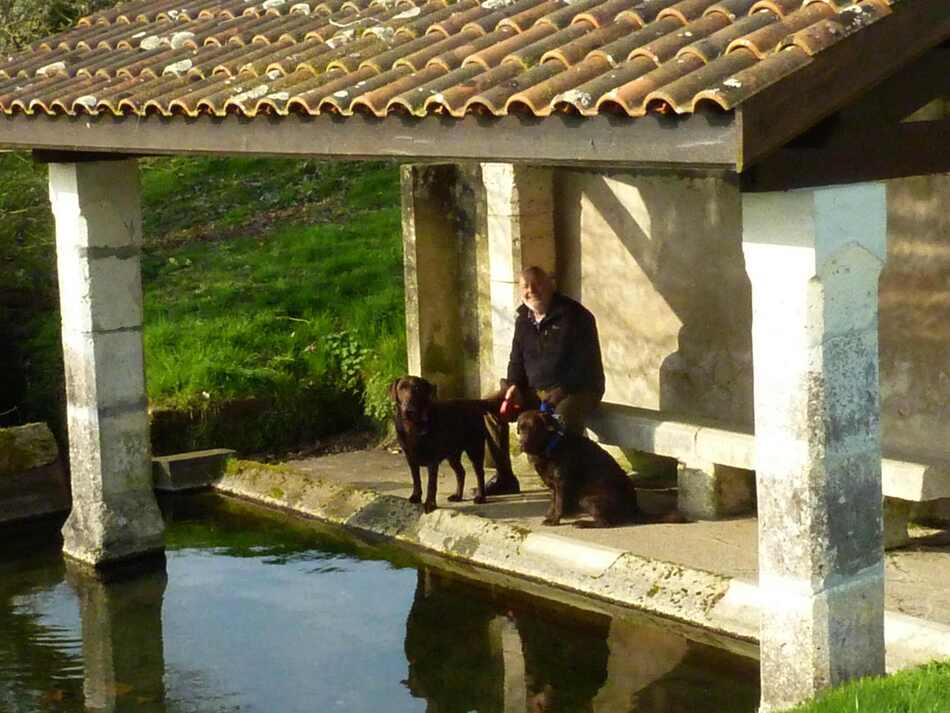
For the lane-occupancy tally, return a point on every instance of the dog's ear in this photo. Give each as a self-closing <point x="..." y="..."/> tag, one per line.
<point x="393" y="395"/>
<point x="433" y="391"/>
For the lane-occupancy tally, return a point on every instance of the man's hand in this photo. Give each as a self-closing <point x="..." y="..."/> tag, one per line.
<point x="555" y="396"/>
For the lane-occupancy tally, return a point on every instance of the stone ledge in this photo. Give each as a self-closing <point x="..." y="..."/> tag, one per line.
<point x="32" y="478"/>
<point x="713" y="602"/>
<point x="24" y="448"/>
<point x="190" y="471"/>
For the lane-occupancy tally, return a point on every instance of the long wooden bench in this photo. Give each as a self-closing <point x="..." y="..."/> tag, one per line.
<point x="716" y="466"/>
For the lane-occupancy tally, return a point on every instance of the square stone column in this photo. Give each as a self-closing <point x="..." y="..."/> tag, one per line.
<point x="520" y="218"/>
<point x="433" y="276"/>
<point x="814" y="257"/>
<point x="97" y="208"/>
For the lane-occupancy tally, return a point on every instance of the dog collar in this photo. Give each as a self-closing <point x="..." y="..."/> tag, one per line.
<point x="553" y="443"/>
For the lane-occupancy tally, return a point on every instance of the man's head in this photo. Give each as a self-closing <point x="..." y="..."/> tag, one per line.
<point x="537" y="289"/>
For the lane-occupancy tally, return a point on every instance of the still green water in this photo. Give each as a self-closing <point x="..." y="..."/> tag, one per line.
<point x="259" y="613"/>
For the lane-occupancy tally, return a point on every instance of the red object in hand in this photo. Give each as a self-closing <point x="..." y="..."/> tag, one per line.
<point x="509" y="408"/>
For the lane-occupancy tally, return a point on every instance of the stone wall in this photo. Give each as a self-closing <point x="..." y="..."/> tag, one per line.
<point x="658" y="260"/>
<point x="32" y="479"/>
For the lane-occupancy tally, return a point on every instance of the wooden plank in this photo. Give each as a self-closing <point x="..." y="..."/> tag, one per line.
<point x="838" y="76"/>
<point x="859" y="154"/>
<point x="699" y="141"/>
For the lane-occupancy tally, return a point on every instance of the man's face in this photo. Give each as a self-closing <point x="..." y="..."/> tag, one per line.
<point x="536" y="291"/>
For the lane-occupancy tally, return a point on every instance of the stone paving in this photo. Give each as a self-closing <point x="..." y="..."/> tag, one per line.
<point x="917" y="576"/>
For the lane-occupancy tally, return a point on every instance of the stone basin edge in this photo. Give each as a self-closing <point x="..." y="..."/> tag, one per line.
<point x="719" y="604"/>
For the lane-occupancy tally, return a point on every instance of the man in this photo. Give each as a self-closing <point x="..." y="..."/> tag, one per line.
<point x="555" y="358"/>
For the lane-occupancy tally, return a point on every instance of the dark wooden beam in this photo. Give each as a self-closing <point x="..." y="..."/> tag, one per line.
<point x="855" y="155"/>
<point x="698" y="141"/>
<point x="838" y="76"/>
<point x="57" y="156"/>
<point x="899" y="96"/>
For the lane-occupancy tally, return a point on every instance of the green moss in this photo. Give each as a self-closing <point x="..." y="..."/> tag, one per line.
<point x="276" y="493"/>
<point x="25" y="447"/>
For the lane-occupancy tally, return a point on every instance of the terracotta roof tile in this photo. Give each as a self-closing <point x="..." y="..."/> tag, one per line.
<point x="417" y="57"/>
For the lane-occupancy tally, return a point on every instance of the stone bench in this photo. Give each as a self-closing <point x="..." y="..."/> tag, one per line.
<point x="715" y="474"/>
<point x="32" y="478"/>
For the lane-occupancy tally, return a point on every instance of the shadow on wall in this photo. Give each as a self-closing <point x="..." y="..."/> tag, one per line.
<point x="915" y="318"/>
<point x="658" y="260"/>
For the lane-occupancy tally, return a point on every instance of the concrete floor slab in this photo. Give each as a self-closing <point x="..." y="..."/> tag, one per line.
<point x="917" y="575"/>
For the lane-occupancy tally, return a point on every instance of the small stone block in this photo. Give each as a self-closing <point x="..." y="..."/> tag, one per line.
<point x="713" y="491"/>
<point x="189" y="471"/>
<point x="23" y="448"/>
<point x="896" y="516"/>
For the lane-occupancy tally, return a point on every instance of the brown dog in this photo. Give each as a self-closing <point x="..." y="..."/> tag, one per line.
<point x="581" y="474"/>
<point x="431" y="431"/>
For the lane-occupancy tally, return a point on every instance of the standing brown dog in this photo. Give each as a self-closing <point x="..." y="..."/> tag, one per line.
<point x="581" y="474"/>
<point x="431" y="431"/>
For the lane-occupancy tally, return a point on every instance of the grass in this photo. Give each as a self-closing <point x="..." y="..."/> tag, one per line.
<point x="919" y="690"/>
<point x="268" y="281"/>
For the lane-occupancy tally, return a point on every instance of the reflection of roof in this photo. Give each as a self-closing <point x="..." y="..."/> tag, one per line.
<point x="523" y="57"/>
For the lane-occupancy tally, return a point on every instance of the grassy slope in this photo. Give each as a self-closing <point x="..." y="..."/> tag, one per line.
<point x="269" y="279"/>
<point x="921" y="690"/>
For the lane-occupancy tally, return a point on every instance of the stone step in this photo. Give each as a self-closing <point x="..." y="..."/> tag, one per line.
<point x="190" y="471"/>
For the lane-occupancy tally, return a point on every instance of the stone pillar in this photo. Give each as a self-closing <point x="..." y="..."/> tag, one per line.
<point x="433" y="275"/>
<point x="520" y="219"/>
<point x="98" y="238"/>
<point x="122" y="645"/>
<point x="814" y="257"/>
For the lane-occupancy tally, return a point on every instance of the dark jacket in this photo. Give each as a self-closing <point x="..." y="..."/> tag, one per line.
<point x="563" y="350"/>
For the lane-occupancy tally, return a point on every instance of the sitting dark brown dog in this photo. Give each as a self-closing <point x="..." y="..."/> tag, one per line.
<point x="582" y="474"/>
<point x="431" y="431"/>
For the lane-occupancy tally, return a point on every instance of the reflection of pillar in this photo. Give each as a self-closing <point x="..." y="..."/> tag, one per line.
<point x="98" y="238"/>
<point x="814" y="257"/>
<point x="506" y="641"/>
<point x="122" y="639"/>
<point x="639" y="656"/>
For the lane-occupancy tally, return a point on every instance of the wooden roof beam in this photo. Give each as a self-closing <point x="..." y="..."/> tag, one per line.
<point x="698" y="141"/>
<point x="838" y="76"/>
<point x="859" y="154"/>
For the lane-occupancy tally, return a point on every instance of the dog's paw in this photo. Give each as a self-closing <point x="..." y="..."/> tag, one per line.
<point x="586" y="524"/>
<point x="428" y="507"/>
<point x="454" y="498"/>
<point x="415" y="498"/>
<point x="479" y="499"/>
<point x="551" y="521"/>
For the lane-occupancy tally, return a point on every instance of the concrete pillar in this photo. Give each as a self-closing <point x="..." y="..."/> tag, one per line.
<point x="814" y="257"/>
<point x="433" y="277"/>
<point x="98" y="238"/>
<point x="122" y="645"/>
<point x="520" y="223"/>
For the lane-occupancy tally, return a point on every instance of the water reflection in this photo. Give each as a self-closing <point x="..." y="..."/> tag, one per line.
<point x="122" y="644"/>
<point x="256" y="615"/>
<point x="490" y="655"/>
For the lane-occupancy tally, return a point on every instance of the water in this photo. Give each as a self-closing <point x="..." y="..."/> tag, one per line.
<point x="258" y="614"/>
